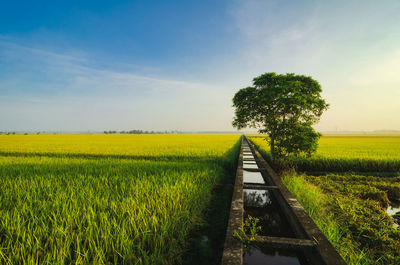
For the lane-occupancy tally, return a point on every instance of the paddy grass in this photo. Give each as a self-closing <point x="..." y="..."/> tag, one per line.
<point x="113" y="199"/>
<point x="341" y="153"/>
<point x="350" y="211"/>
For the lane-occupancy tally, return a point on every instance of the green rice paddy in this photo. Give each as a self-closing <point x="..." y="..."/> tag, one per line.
<point x="64" y="200"/>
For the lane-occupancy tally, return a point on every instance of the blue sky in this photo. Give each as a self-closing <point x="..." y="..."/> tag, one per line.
<point x="175" y="65"/>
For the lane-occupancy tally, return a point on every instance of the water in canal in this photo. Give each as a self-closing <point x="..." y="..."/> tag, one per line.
<point x="250" y="165"/>
<point x="265" y="255"/>
<point x="256" y="198"/>
<point x="252" y="177"/>
<point x="262" y="205"/>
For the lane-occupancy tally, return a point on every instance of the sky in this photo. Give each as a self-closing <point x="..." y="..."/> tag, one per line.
<point x="176" y="65"/>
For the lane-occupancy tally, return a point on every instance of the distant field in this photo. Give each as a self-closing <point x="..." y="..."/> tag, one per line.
<point x="102" y="199"/>
<point x="354" y="146"/>
<point x="132" y="146"/>
<point x="372" y="153"/>
<point x="361" y="136"/>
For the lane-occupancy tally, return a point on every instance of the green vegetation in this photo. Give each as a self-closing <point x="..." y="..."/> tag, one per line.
<point x="249" y="230"/>
<point x="98" y="203"/>
<point x="348" y="207"/>
<point x="285" y="107"/>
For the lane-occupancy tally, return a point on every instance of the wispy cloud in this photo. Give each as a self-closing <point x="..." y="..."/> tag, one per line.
<point x="350" y="47"/>
<point x="55" y="88"/>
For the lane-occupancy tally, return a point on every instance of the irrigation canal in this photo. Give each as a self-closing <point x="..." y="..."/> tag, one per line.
<point x="288" y="235"/>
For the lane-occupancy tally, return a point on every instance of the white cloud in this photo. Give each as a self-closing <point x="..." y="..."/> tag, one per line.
<point x="67" y="93"/>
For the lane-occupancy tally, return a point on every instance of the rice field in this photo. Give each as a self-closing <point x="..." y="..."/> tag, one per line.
<point x="109" y="199"/>
<point x="341" y="153"/>
<point x="156" y="147"/>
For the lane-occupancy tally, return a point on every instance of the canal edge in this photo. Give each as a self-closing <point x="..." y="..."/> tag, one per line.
<point x="233" y="248"/>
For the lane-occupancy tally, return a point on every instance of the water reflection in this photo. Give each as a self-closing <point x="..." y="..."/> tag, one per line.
<point x="260" y="255"/>
<point x="394" y="211"/>
<point x="393" y="208"/>
<point x="262" y="205"/>
<point x="256" y="198"/>
<point x="252" y="177"/>
<point x="252" y="165"/>
<point x="271" y="220"/>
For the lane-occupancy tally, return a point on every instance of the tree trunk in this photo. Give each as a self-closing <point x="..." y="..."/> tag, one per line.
<point x="272" y="147"/>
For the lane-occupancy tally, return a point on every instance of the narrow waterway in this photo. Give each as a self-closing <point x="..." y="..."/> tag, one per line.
<point x="252" y="177"/>
<point x="262" y="205"/>
<point x="262" y="256"/>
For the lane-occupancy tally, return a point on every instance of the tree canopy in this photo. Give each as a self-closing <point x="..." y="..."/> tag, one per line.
<point x="285" y="107"/>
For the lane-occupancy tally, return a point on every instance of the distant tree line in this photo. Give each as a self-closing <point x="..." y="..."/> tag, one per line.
<point x="110" y="132"/>
<point x="12" y="133"/>
<point x="141" y="132"/>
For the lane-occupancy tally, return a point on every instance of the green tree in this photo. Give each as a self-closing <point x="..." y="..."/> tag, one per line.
<point x="285" y="107"/>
